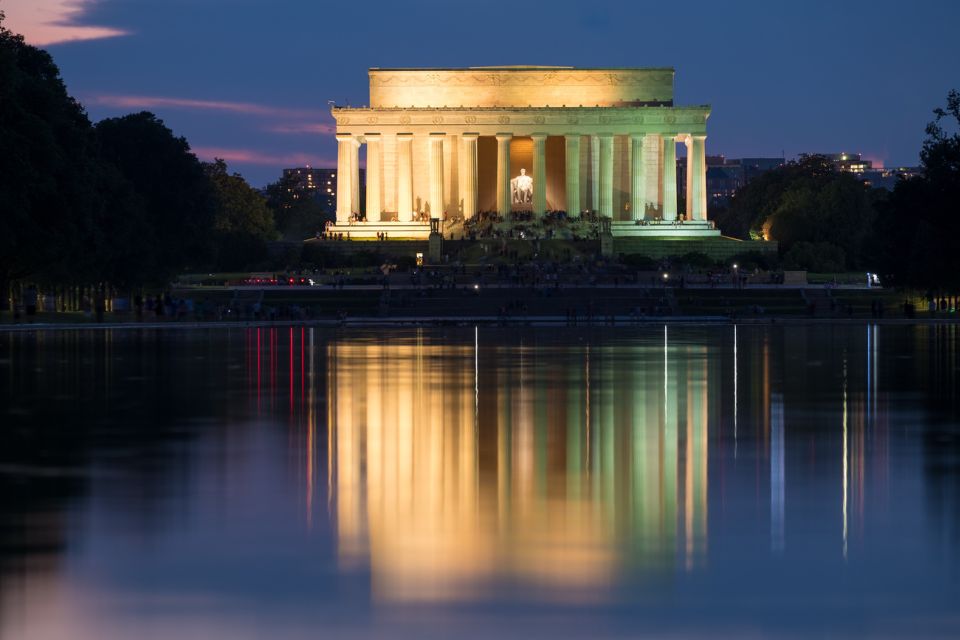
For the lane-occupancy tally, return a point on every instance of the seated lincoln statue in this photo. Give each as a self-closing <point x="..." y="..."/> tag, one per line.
<point x="522" y="188"/>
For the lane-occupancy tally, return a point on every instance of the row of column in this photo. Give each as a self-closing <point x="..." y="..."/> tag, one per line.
<point x="601" y="168"/>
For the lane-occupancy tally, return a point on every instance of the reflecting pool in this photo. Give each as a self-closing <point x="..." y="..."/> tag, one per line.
<point x="541" y="482"/>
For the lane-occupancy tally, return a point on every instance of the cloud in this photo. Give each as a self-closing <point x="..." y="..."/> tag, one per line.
<point x="303" y="128"/>
<point x="223" y="106"/>
<point x="47" y="22"/>
<point x="256" y="157"/>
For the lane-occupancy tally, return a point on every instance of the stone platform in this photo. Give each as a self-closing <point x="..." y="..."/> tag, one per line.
<point x="394" y="230"/>
<point x="655" y="229"/>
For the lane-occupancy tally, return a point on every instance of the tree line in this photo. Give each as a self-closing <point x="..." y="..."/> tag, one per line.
<point x="828" y="220"/>
<point x="122" y="201"/>
<point x="125" y="202"/>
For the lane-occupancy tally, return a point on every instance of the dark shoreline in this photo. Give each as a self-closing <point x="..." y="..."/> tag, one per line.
<point x="619" y="322"/>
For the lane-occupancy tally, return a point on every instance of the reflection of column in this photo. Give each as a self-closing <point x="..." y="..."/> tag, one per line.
<point x="404" y="177"/>
<point x="594" y="173"/>
<point x="344" y="188"/>
<point x="671" y="434"/>
<point x="573" y="174"/>
<point x="697" y="179"/>
<point x="638" y="196"/>
<point x="504" y="201"/>
<point x="468" y="174"/>
<point x="539" y="173"/>
<point x="374" y="177"/>
<point x="697" y="472"/>
<point x="606" y="175"/>
<point x="436" y="175"/>
<point x="669" y="177"/>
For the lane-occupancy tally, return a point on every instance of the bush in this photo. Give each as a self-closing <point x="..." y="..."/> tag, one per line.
<point x="695" y="260"/>
<point x="405" y="263"/>
<point x="822" y="257"/>
<point x="639" y="262"/>
<point x="316" y="255"/>
<point x="365" y="259"/>
<point x="751" y="260"/>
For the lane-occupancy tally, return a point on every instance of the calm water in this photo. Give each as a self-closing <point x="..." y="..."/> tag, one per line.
<point x="301" y="483"/>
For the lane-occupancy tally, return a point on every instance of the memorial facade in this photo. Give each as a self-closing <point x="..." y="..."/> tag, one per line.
<point x="450" y="144"/>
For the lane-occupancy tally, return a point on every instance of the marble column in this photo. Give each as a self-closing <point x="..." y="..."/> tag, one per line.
<point x="606" y="175"/>
<point x="404" y="177"/>
<point x="697" y="179"/>
<point x="504" y="197"/>
<point x="539" y="174"/>
<point x="594" y="173"/>
<point x="468" y="173"/>
<point x="573" y="173"/>
<point x="436" y="175"/>
<point x="638" y="181"/>
<point x="344" y="188"/>
<point x="374" y="177"/>
<point x="355" y="175"/>
<point x="669" y="177"/>
<point x="688" y="185"/>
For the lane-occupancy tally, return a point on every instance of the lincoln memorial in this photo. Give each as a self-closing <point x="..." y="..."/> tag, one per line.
<point x="505" y="143"/>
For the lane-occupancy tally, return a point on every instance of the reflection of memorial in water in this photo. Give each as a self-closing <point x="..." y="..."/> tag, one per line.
<point x="455" y="469"/>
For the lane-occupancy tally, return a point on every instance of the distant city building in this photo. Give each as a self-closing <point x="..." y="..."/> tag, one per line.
<point x="319" y="184"/>
<point x="877" y="177"/>
<point x="726" y="176"/>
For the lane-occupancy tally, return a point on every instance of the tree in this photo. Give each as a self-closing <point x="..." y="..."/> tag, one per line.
<point x="807" y="200"/>
<point x="298" y="215"/>
<point x="179" y="203"/>
<point x="49" y="175"/>
<point x="916" y="234"/>
<point x="242" y="222"/>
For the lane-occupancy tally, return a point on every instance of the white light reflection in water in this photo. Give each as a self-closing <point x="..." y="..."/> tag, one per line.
<point x="777" y="474"/>
<point x="846" y="455"/>
<point x="735" y="394"/>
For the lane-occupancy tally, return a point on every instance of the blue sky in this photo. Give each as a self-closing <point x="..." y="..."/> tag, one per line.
<point x="249" y="80"/>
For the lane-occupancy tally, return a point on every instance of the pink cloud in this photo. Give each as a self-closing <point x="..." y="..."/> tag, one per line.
<point x="252" y="156"/>
<point x="46" y="22"/>
<point x="245" y="108"/>
<point x="305" y="127"/>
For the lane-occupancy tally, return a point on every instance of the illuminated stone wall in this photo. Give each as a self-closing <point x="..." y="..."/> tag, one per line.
<point x="446" y="134"/>
<point x="519" y="87"/>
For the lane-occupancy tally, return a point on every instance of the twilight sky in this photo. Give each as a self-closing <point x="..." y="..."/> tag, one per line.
<point x="249" y="80"/>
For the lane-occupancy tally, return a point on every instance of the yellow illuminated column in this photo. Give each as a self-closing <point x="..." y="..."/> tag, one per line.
<point x="539" y="174"/>
<point x="688" y="187"/>
<point x="638" y="194"/>
<point x="697" y="170"/>
<point x="606" y="175"/>
<point x="344" y="188"/>
<point x="573" y="174"/>
<point x="594" y="173"/>
<point x="468" y="173"/>
<point x="436" y="175"/>
<point x="374" y="177"/>
<point x="504" y="200"/>
<point x="669" y="177"/>
<point x="354" y="175"/>
<point x="404" y="177"/>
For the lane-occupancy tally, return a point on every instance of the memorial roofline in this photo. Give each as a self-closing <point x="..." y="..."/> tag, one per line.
<point x="522" y="68"/>
<point x="523" y="108"/>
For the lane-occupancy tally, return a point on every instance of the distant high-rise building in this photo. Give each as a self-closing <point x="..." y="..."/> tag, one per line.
<point x="725" y="176"/>
<point x="877" y="177"/>
<point x="319" y="184"/>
